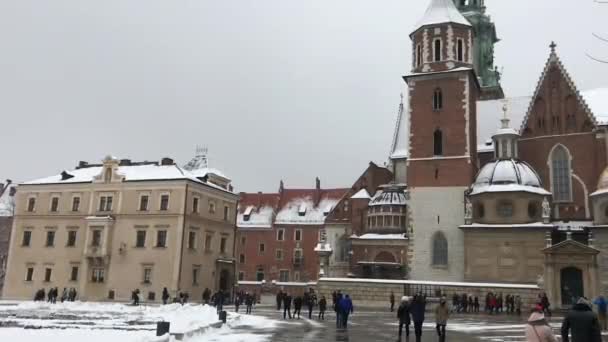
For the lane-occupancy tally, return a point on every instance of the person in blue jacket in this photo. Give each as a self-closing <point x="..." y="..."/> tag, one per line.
<point x="346" y="308"/>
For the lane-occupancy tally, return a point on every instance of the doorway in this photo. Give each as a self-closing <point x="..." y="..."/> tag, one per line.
<point x="571" y="285"/>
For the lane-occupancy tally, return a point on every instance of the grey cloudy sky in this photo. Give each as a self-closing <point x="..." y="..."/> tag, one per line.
<point x="277" y="89"/>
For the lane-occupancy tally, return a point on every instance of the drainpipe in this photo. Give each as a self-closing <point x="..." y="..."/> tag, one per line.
<point x="234" y="271"/>
<point x="181" y="250"/>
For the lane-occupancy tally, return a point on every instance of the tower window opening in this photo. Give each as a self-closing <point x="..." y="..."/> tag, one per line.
<point x="460" y="50"/>
<point x="438" y="143"/>
<point x="418" y="55"/>
<point x="437" y="50"/>
<point x="437" y="99"/>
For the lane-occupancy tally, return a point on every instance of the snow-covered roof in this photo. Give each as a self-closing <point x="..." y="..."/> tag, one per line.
<point x="361" y="194"/>
<point x="380" y="237"/>
<point x="390" y="195"/>
<point x="257" y="218"/>
<point x="437" y="72"/>
<point x="6" y="207"/>
<point x="441" y="12"/>
<point x="508" y="175"/>
<point x="142" y="172"/>
<point x="303" y="211"/>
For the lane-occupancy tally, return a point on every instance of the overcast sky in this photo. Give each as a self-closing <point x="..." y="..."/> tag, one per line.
<point x="277" y="89"/>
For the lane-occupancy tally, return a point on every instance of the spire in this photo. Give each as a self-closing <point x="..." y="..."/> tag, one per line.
<point x="399" y="148"/>
<point x="506" y="138"/>
<point x="442" y="12"/>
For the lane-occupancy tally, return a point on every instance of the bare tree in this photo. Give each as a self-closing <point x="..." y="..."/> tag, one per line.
<point x="598" y="37"/>
<point x="8" y="201"/>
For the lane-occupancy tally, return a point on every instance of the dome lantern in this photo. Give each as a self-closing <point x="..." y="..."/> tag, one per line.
<point x="505" y="139"/>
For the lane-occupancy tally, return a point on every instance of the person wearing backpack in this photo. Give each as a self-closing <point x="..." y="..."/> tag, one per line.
<point x="602" y="308"/>
<point x="538" y="330"/>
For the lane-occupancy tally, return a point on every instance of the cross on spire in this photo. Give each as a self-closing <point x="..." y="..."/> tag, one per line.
<point x="553" y="46"/>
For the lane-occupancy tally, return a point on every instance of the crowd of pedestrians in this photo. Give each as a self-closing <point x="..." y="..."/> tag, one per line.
<point x="53" y="293"/>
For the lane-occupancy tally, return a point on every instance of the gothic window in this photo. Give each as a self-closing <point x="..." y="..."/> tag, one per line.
<point x="437" y="99"/>
<point x="438" y="143"/>
<point x="561" y="175"/>
<point x="440" y="250"/>
<point x="460" y="50"/>
<point x="437" y="50"/>
<point x="418" y="55"/>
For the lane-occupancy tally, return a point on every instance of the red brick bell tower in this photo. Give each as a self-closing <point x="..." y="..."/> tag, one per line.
<point x="443" y="90"/>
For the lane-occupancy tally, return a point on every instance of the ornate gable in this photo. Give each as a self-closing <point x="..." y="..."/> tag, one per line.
<point x="570" y="247"/>
<point x="557" y="106"/>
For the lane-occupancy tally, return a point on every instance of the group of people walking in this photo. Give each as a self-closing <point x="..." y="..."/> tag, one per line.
<point x="245" y="298"/>
<point x="414" y="310"/>
<point x="53" y="293"/>
<point x="284" y="300"/>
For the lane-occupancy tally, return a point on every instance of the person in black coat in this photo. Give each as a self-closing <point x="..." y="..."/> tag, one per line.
<point x="165" y="296"/>
<point x="322" y="308"/>
<point x="582" y="322"/>
<point x="403" y="313"/>
<point x="310" y="301"/>
<point x="279" y="300"/>
<point x="297" y="303"/>
<point x="417" y="310"/>
<point x="286" y="306"/>
<point x="249" y="299"/>
<point x="206" y="295"/>
<point x="219" y="301"/>
<point x="391" y="299"/>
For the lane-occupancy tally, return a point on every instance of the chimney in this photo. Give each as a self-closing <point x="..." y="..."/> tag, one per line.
<point x="82" y="164"/>
<point x="166" y="161"/>
<point x="125" y="162"/>
<point x="317" y="198"/>
<point x="318" y="183"/>
<point x="281" y="187"/>
<point x="259" y="200"/>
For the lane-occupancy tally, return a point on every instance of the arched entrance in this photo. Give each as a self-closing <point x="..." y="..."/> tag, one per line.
<point x="224" y="280"/>
<point x="571" y="285"/>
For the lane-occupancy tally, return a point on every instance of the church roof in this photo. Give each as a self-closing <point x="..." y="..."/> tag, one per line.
<point x="442" y="12"/>
<point x="508" y="175"/>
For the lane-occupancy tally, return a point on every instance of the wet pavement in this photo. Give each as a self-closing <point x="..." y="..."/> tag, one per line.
<point x="377" y="325"/>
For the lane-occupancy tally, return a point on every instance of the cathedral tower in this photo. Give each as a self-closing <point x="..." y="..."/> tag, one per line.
<point x="484" y="39"/>
<point x="443" y="89"/>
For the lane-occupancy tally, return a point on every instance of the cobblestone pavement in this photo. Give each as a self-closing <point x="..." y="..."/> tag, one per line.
<point x="376" y="325"/>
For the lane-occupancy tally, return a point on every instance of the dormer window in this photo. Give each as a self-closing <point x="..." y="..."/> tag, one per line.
<point x="302" y="210"/>
<point x="327" y="210"/>
<point x="247" y="214"/>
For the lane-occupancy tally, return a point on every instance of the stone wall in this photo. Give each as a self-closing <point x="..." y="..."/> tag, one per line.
<point x="375" y="292"/>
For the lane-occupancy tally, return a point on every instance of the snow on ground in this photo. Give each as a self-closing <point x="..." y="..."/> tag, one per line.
<point x="102" y="322"/>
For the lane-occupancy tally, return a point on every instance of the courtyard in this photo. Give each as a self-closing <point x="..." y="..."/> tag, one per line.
<point x="102" y="322"/>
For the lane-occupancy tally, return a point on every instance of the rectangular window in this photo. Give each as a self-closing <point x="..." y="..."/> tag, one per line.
<point x="96" y="239"/>
<point x="262" y="248"/>
<point x="223" y="245"/>
<point x="140" y="241"/>
<point x="164" y="202"/>
<point x="27" y="238"/>
<point x="191" y="240"/>
<point x="54" y="204"/>
<point x="71" y="238"/>
<point x="279" y="254"/>
<point x="152" y="296"/>
<point x="74" y="274"/>
<point x="211" y="207"/>
<point x="195" y="272"/>
<point x="226" y="212"/>
<point x="242" y="258"/>
<point x="296" y="276"/>
<point x="298" y="235"/>
<point x="98" y="275"/>
<point x="161" y="238"/>
<point x="243" y="240"/>
<point x="105" y="203"/>
<point x="241" y="275"/>
<point x="437" y="50"/>
<point x="47" y="274"/>
<point x="297" y="257"/>
<point x="280" y="234"/>
<point x="76" y="204"/>
<point x="31" y="204"/>
<point x="460" y="50"/>
<point x="29" y="274"/>
<point x="147" y="275"/>
<point x="208" y="241"/>
<point x="195" y="205"/>
<point x="418" y="55"/>
<point x="143" y="202"/>
<point x="50" y="238"/>
<point x="283" y="276"/>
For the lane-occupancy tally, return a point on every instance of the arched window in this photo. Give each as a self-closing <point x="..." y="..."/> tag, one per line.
<point x="561" y="175"/>
<point x="440" y="250"/>
<point x="437" y="50"/>
<point x="460" y="50"/>
<point x="437" y="99"/>
<point x="438" y="143"/>
<point x="418" y="55"/>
